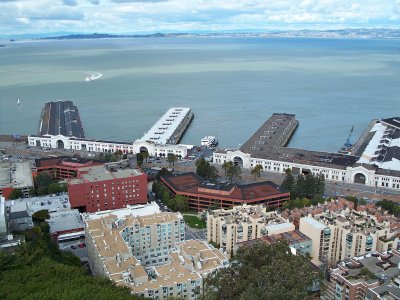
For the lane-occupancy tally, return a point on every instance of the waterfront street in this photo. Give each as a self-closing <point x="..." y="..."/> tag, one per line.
<point x="332" y="189"/>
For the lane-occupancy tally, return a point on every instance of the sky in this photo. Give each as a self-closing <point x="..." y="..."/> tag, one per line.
<point x="149" y="16"/>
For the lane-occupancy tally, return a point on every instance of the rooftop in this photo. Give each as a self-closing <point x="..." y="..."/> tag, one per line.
<point x="291" y="237"/>
<point x="186" y="262"/>
<point x="65" y="220"/>
<point x="51" y="203"/>
<point x="314" y="223"/>
<point x="383" y="272"/>
<point x="60" y="118"/>
<point x="270" y="135"/>
<point x="135" y="211"/>
<point x="164" y="128"/>
<point x="192" y="183"/>
<point x="100" y="173"/>
<point x="16" y="174"/>
<point x="64" y="161"/>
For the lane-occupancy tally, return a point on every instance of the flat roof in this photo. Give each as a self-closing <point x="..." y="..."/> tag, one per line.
<point x="165" y="127"/>
<point x="51" y="203"/>
<point x="314" y="223"/>
<point x="61" y="118"/>
<point x="16" y="174"/>
<point x="270" y="135"/>
<point x="134" y="210"/>
<point x="99" y="173"/>
<point x="192" y="183"/>
<point x="65" y="220"/>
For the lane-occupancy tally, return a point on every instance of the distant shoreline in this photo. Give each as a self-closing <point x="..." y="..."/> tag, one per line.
<point x="322" y="34"/>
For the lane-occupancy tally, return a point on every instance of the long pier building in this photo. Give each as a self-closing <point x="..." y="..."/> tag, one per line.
<point x="376" y="162"/>
<point x="170" y="127"/>
<point x="60" y="128"/>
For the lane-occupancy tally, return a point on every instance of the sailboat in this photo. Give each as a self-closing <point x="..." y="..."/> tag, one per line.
<point x="18" y="102"/>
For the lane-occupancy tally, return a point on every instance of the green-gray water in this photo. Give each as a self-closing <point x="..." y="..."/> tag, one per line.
<point x="232" y="85"/>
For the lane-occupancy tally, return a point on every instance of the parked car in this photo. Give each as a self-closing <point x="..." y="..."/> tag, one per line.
<point x="73" y="246"/>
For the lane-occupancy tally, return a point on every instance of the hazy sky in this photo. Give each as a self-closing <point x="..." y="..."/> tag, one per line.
<point x="134" y="16"/>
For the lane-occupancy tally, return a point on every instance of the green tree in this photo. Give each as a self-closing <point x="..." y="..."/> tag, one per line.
<point x="15" y="194"/>
<point x="289" y="183"/>
<point x="180" y="203"/>
<point x="256" y="171"/>
<point x="226" y="165"/>
<point x="139" y="159"/>
<point x="171" y="159"/>
<point x="263" y="272"/>
<point x="163" y="172"/>
<point x="54" y="188"/>
<point x="41" y="216"/>
<point x="234" y="174"/>
<point x="145" y="155"/>
<point x="42" y="179"/>
<point x="41" y="191"/>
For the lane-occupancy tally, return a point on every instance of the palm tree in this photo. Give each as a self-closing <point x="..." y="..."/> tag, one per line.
<point x="171" y="159"/>
<point x="226" y="165"/>
<point x="145" y="155"/>
<point x="256" y="171"/>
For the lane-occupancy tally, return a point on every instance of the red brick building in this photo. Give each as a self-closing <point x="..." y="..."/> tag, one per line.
<point x="62" y="168"/>
<point x="204" y="195"/>
<point x="103" y="187"/>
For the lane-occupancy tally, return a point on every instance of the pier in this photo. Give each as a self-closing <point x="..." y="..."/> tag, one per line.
<point x="170" y="127"/>
<point x="61" y="118"/>
<point x="274" y="133"/>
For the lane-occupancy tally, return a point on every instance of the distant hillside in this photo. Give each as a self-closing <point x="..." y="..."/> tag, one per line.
<point x="98" y="36"/>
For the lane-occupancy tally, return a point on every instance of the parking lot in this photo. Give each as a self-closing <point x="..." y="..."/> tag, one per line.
<point x="78" y="248"/>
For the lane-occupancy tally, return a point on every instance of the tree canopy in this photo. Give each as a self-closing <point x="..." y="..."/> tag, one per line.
<point x="205" y="170"/>
<point x="37" y="269"/>
<point x="15" y="194"/>
<point x="304" y="186"/>
<point x="263" y="272"/>
<point x="234" y="173"/>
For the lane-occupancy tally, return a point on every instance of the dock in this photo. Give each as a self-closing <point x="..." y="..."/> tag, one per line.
<point x="170" y="128"/>
<point x="274" y="133"/>
<point x="364" y="139"/>
<point x="61" y="118"/>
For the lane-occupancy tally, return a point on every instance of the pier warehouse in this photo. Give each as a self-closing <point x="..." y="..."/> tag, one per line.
<point x="202" y="195"/>
<point x="160" y="140"/>
<point x="107" y="187"/>
<point x="61" y="118"/>
<point x="374" y="163"/>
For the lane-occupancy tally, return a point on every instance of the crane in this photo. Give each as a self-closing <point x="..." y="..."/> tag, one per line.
<point x="348" y="144"/>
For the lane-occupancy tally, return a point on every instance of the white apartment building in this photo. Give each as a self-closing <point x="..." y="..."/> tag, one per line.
<point x="243" y="223"/>
<point x="173" y="268"/>
<point x="339" y="236"/>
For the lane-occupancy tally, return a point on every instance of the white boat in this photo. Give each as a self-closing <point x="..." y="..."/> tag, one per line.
<point x="93" y="76"/>
<point x="18" y="102"/>
<point x="209" y="141"/>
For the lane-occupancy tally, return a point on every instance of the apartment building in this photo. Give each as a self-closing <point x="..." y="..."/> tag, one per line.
<point x="369" y="277"/>
<point x="242" y="223"/>
<point x="174" y="268"/>
<point x="111" y="186"/>
<point x="152" y="237"/>
<point x="341" y="235"/>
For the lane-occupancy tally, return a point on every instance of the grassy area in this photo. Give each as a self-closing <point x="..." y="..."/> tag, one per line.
<point x="194" y="222"/>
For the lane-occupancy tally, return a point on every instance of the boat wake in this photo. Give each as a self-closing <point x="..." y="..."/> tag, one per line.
<point x="93" y="76"/>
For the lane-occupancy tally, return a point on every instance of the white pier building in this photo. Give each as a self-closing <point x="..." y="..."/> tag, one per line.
<point x="159" y="141"/>
<point x="170" y="127"/>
